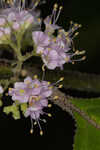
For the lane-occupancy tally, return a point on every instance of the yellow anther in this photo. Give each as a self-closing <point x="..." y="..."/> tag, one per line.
<point x="62" y="78"/>
<point x="76" y="25"/>
<point x="49" y="83"/>
<point x="36" y="85"/>
<point x="31" y="131"/>
<point x="56" y="97"/>
<point x="60" y="86"/>
<point x="80" y="52"/>
<point x="49" y="115"/>
<point x="35" y="76"/>
<point x="35" y="123"/>
<point x="49" y="105"/>
<point x="49" y="49"/>
<point x="60" y="7"/>
<point x="67" y="59"/>
<point x="21" y="91"/>
<point x="39" y="20"/>
<point x="10" y="89"/>
<point x="41" y="132"/>
<point x="43" y="68"/>
<point x="50" y="87"/>
<point x="84" y="57"/>
<point x="76" y="33"/>
<point x="55" y="6"/>
<point x="73" y="62"/>
<point x="77" y="52"/>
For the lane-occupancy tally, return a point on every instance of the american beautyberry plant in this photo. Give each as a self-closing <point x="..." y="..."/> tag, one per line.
<point x="21" y="27"/>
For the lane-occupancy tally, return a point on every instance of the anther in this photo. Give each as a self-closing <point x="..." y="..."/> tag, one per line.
<point x="55" y="6"/>
<point x="49" y="115"/>
<point x="31" y="131"/>
<point x="60" y="8"/>
<point x="49" y="105"/>
<point x="55" y="97"/>
<point x="51" y="87"/>
<point x="84" y="57"/>
<point x="41" y="132"/>
<point x="49" y="83"/>
<point x="35" y="76"/>
<point x="60" y="86"/>
<point x="35" y="123"/>
<point x="62" y="78"/>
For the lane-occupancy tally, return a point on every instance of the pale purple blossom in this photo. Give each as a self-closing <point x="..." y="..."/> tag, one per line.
<point x="33" y="92"/>
<point x="41" y="40"/>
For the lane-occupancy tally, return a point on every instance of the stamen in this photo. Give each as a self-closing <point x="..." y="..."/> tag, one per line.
<point x="60" y="86"/>
<point x="60" y="8"/>
<point x="49" y="115"/>
<point x="35" y="76"/>
<point x="81" y="59"/>
<point x="41" y="132"/>
<point x="35" y="123"/>
<point x="31" y="130"/>
<point x="61" y="79"/>
<point x="49" y="105"/>
<point x="43" y="120"/>
<point x="55" y="97"/>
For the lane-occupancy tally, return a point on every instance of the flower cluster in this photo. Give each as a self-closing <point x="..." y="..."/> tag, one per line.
<point x="56" y="50"/>
<point x="16" y="19"/>
<point x="35" y="94"/>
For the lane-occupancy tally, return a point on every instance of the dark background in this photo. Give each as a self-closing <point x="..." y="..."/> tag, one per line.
<point x="59" y="130"/>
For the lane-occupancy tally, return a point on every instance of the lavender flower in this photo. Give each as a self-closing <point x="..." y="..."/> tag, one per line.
<point x="17" y="17"/>
<point x="41" y="41"/>
<point x="50" y="21"/>
<point x="57" y="50"/>
<point x="33" y="92"/>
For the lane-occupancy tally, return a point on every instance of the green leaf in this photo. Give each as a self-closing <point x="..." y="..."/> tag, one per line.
<point x="14" y="109"/>
<point x="87" y="136"/>
<point x="23" y="107"/>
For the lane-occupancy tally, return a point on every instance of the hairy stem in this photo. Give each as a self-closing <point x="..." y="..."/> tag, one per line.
<point x="64" y="102"/>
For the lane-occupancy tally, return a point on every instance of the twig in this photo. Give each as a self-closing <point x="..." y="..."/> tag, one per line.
<point x="64" y="102"/>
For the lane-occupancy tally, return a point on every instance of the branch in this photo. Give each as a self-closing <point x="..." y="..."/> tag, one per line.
<point x="64" y="102"/>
